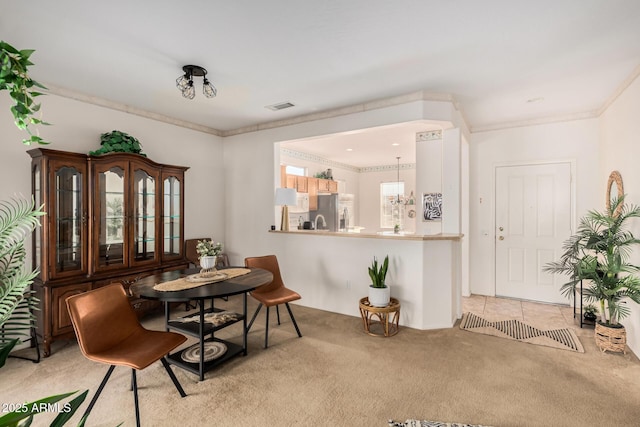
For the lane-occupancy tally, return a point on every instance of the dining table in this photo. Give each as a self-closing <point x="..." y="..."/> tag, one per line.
<point x="181" y="286"/>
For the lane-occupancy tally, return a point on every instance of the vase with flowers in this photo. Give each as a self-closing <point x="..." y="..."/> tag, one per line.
<point x="208" y="251"/>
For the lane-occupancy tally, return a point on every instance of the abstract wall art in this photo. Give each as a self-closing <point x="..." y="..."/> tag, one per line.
<point x="432" y="206"/>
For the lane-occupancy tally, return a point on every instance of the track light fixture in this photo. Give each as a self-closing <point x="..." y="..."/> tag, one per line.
<point x="185" y="82"/>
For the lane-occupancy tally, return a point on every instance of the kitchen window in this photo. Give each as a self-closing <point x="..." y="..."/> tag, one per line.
<point x="390" y="214"/>
<point x="296" y="170"/>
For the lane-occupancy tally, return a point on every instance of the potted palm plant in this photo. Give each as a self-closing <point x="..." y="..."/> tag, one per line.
<point x="18" y="218"/>
<point x="598" y="255"/>
<point x="379" y="292"/>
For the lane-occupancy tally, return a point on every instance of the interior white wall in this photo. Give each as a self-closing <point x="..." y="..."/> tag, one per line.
<point x="429" y="163"/>
<point x="464" y="215"/>
<point x="620" y="134"/>
<point x="451" y="181"/>
<point x="576" y="141"/>
<point x="76" y="126"/>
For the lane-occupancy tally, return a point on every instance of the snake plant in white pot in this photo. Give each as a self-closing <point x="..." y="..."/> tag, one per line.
<point x="379" y="292"/>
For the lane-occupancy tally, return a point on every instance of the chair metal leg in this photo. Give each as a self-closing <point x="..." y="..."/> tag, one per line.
<point x="266" y="331"/>
<point x="278" y="313"/>
<point x="254" y="317"/>
<point x="95" y="396"/>
<point x="173" y="377"/>
<point x="293" y="319"/>
<point x="135" y="395"/>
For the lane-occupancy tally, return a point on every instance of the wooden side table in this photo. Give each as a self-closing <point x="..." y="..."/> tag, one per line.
<point x="387" y="317"/>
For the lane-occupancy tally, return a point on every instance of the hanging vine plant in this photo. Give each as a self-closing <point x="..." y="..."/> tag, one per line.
<point x="14" y="78"/>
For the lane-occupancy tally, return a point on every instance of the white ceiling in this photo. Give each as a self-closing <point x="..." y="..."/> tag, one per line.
<point x="492" y="56"/>
<point x="367" y="147"/>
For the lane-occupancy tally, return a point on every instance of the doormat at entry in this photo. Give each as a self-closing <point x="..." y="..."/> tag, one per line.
<point x="563" y="338"/>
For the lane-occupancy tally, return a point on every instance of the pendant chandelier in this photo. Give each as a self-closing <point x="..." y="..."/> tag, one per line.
<point x="185" y="82"/>
<point x="401" y="199"/>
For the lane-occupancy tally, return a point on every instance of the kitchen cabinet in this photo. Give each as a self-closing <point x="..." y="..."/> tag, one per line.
<point x="290" y="181"/>
<point x="312" y="188"/>
<point x="327" y="186"/>
<point x="111" y="218"/>
<point x="323" y="185"/>
<point x="319" y="185"/>
<point x="283" y="176"/>
<point x="301" y="184"/>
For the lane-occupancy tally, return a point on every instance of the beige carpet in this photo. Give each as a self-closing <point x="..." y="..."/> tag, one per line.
<point x="336" y="375"/>
<point x="563" y="338"/>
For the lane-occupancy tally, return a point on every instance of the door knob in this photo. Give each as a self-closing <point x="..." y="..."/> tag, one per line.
<point x="501" y="238"/>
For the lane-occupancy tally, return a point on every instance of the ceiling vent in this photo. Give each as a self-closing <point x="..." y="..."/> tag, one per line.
<point x="280" y="106"/>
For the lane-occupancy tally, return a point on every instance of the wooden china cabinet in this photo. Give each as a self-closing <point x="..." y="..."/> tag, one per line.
<point x="112" y="218"/>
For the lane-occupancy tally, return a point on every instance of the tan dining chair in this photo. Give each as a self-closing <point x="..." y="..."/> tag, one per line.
<point x="109" y="332"/>
<point x="190" y="252"/>
<point x="271" y="294"/>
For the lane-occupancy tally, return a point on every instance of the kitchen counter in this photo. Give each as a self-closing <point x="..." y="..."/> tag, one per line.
<point x="381" y="235"/>
<point x="329" y="269"/>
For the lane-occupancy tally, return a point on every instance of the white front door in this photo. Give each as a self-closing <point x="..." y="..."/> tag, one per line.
<point x="533" y="218"/>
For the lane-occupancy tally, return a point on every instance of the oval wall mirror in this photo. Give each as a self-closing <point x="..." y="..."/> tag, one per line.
<point x="614" y="193"/>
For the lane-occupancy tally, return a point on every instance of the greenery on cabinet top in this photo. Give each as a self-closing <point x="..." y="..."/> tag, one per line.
<point x="118" y="142"/>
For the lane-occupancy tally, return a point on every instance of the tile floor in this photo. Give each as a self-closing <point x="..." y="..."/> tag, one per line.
<point x="547" y="316"/>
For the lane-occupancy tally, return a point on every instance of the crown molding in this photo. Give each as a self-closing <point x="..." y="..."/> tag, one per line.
<point x="533" y="122"/>
<point x="336" y="112"/>
<point x="422" y="95"/>
<point x="621" y="88"/>
<point x="94" y="100"/>
<point x="343" y="111"/>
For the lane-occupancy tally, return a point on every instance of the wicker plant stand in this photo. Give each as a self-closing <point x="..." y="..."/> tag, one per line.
<point x="612" y="339"/>
<point x="388" y="318"/>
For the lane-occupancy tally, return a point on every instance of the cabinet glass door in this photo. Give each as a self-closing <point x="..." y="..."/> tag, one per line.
<point x="144" y="194"/>
<point x="171" y="213"/>
<point x="37" y="236"/>
<point x="112" y="221"/>
<point x="68" y="221"/>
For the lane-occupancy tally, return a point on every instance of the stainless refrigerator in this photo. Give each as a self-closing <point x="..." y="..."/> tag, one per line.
<point x="328" y="208"/>
<point x="337" y="211"/>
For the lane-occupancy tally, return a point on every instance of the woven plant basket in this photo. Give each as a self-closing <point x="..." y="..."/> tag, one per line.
<point x="612" y="339"/>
